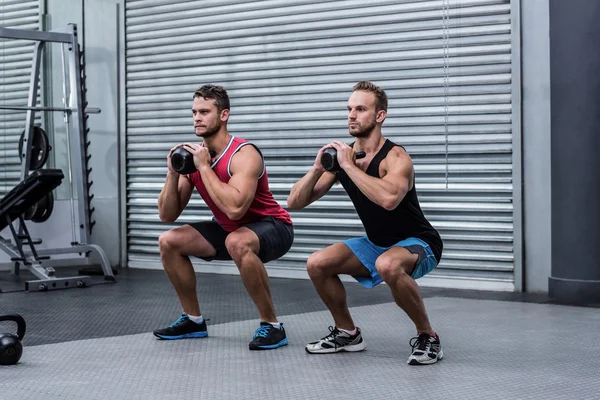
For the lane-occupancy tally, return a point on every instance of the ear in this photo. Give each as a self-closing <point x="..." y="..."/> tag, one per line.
<point x="381" y="114"/>
<point x="224" y="115"/>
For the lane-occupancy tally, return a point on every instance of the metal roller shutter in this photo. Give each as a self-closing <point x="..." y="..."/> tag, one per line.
<point x="15" y="62"/>
<point x="289" y="67"/>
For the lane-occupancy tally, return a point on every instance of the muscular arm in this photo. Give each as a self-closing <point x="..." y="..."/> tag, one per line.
<point x="234" y="198"/>
<point x="174" y="197"/>
<point x="388" y="191"/>
<point x="314" y="185"/>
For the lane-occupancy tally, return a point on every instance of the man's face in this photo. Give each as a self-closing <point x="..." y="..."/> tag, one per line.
<point x="362" y="117"/>
<point x="207" y="120"/>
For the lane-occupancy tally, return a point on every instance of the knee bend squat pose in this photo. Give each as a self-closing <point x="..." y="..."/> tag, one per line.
<point x="249" y="226"/>
<point x="400" y="245"/>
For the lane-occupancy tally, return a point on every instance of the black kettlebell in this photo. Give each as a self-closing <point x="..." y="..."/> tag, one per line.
<point x="330" y="162"/>
<point x="11" y="348"/>
<point x="183" y="161"/>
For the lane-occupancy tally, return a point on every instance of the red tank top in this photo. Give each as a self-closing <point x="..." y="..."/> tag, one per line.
<point x="263" y="205"/>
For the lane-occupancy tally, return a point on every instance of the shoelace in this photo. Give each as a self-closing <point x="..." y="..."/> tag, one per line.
<point x="421" y="342"/>
<point x="262" y="331"/>
<point x="334" y="332"/>
<point x="179" y="320"/>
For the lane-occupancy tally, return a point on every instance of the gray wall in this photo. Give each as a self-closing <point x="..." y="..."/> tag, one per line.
<point x="561" y="119"/>
<point x="97" y="21"/>
<point x="535" y="56"/>
<point x="575" y="75"/>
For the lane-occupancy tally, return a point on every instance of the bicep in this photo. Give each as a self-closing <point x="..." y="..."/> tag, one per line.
<point x="399" y="172"/>
<point x="399" y="181"/>
<point x="246" y="167"/>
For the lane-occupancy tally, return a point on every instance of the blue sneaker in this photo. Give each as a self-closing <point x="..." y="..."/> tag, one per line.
<point x="183" y="328"/>
<point x="268" y="337"/>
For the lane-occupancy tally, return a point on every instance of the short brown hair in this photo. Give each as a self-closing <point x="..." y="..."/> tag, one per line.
<point x="216" y="93"/>
<point x="381" y="100"/>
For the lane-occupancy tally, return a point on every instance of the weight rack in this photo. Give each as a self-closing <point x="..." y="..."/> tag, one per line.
<point x="75" y="109"/>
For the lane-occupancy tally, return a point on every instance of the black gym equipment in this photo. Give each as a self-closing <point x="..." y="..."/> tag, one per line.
<point x="18" y="202"/>
<point x="32" y="199"/>
<point x="27" y="194"/>
<point x="182" y="161"/>
<point x="11" y="347"/>
<point x="40" y="148"/>
<point x="41" y="211"/>
<point x="330" y="162"/>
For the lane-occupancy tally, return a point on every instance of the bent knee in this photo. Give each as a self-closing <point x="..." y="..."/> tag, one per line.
<point x="239" y="245"/>
<point x="389" y="268"/>
<point x="317" y="264"/>
<point x="167" y="242"/>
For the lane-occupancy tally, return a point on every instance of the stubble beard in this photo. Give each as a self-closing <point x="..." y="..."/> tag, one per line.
<point x="363" y="131"/>
<point x="210" y="132"/>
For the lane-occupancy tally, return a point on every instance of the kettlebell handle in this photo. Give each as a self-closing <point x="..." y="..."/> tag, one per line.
<point x="21" y="326"/>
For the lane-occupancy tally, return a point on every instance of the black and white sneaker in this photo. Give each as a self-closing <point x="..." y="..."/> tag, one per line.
<point x="337" y="341"/>
<point x="183" y="328"/>
<point x="426" y="350"/>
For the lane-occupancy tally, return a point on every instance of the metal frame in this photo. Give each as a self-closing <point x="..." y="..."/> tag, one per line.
<point x="34" y="83"/>
<point x="517" y="148"/>
<point x="77" y="110"/>
<point x="122" y="127"/>
<point x="76" y="136"/>
<point x="39" y="36"/>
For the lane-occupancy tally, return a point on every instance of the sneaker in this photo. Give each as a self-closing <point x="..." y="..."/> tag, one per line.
<point x="337" y="341"/>
<point x="426" y="350"/>
<point x="183" y="328"/>
<point x="268" y="337"/>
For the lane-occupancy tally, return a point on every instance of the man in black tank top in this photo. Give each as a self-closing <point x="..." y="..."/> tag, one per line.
<point x="400" y="245"/>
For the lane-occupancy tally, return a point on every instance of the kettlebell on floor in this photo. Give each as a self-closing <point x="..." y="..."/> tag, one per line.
<point x="11" y="348"/>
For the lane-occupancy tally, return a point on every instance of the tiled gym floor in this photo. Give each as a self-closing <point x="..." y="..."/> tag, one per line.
<point x="96" y="343"/>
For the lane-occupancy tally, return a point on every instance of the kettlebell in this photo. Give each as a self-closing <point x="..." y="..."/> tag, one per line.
<point x="183" y="161"/>
<point x="330" y="162"/>
<point x="11" y="348"/>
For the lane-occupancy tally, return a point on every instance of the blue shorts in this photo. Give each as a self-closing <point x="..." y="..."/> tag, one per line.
<point x="368" y="253"/>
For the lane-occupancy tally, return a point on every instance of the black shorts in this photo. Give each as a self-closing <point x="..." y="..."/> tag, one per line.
<point x="274" y="236"/>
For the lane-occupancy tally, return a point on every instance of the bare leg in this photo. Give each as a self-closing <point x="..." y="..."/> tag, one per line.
<point x="243" y="246"/>
<point x="323" y="267"/>
<point x="175" y="247"/>
<point x="394" y="267"/>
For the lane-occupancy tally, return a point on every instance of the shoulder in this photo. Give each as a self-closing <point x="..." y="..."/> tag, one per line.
<point x="247" y="159"/>
<point x="398" y="154"/>
<point x="247" y="149"/>
<point x="397" y="162"/>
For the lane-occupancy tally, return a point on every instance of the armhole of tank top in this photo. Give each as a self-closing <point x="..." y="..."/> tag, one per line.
<point x="413" y="166"/>
<point x="223" y="153"/>
<point x="238" y="149"/>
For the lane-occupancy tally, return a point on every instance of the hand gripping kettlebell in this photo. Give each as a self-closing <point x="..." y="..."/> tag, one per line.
<point x="11" y="348"/>
<point x="183" y="161"/>
<point x="330" y="162"/>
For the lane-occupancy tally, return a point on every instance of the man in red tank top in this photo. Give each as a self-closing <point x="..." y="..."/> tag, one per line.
<point x="249" y="226"/>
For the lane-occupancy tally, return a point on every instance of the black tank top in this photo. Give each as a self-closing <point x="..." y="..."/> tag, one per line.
<point x="385" y="228"/>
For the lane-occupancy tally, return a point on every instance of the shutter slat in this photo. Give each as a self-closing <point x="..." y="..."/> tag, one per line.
<point x="289" y="68"/>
